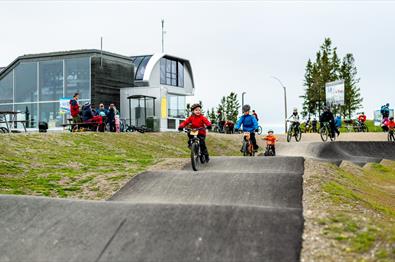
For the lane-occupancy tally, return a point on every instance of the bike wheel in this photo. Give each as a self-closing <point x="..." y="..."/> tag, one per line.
<point x="298" y="134"/>
<point x="195" y="156"/>
<point x="251" y="151"/>
<point x="259" y="130"/>
<point x="324" y="134"/>
<point x="332" y="137"/>
<point x="289" y="135"/>
<point x="244" y="148"/>
<point x="365" y="129"/>
<point x="391" y="137"/>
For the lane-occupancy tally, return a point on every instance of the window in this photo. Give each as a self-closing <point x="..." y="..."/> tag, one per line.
<point x="176" y="106"/>
<point x="171" y="124"/>
<point x="29" y="113"/>
<point x="6" y="89"/>
<point x="141" y="69"/>
<point x="77" y="77"/>
<point x="51" y="80"/>
<point x="26" y="82"/>
<point x="49" y="112"/>
<point x="171" y="72"/>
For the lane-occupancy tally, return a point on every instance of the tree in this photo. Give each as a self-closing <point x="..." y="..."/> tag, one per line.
<point x="329" y="67"/>
<point x="352" y="97"/>
<point x="212" y="116"/>
<point x="232" y="107"/>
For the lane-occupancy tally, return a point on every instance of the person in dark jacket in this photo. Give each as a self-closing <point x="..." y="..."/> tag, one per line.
<point x="87" y="113"/>
<point x="112" y="111"/>
<point x="327" y="116"/>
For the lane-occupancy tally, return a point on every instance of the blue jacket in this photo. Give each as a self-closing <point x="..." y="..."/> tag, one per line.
<point x="249" y="123"/>
<point x="338" y="121"/>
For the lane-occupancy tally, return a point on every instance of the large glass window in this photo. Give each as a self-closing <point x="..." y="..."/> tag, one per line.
<point x="77" y="77"/>
<point x="141" y="69"/>
<point x="26" y="82"/>
<point x="171" y="72"/>
<point x="51" y="80"/>
<point x="28" y="113"/>
<point x="6" y="92"/>
<point x="176" y="106"/>
<point x="49" y="112"/>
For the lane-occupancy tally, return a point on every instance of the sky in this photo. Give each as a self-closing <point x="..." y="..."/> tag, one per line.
<point x="233" y="46"/>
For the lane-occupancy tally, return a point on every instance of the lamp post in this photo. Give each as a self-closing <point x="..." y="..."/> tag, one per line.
<point x="242" y="101"/>
<point x="285" y="101"/>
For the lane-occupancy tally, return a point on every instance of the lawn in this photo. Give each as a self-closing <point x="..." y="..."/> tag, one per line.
<point x="88" y="165"/>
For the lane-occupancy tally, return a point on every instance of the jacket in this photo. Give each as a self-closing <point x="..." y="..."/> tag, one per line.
<point x="327" y="117"/>
<point x="199" y="121"/>
<point x="271" y="140"/>
<point x="249" y="123"/>
<point x="74" y="108"/>
<point x="87" y="113"/>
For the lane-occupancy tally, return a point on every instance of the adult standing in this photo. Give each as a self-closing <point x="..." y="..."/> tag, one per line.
<point x="112" y="111"/>
<point x="255" y="115"/>
<point x="75" y="108"/>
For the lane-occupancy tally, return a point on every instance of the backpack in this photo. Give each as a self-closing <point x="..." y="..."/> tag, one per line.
<point x="247" y="121"/>
<point x="384" y="110"/>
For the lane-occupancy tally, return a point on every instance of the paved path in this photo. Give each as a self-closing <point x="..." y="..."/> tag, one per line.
<point x="236" y="209"/>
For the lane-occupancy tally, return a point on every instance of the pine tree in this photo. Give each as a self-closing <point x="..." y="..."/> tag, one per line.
<point x="212" y="116"/>
<point x="232" y="107"/>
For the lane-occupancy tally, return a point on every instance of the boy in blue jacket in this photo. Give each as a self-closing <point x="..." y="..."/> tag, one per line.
<point x="249" y="124"/>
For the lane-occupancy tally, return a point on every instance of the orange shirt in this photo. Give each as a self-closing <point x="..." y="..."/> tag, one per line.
<point x="391" y="124"/>
<point x="271" y="140"/>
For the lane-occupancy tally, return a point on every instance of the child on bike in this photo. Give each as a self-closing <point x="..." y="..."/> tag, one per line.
<point x="391" y="124"/>
<point x="249" y="124"/>
<point x="270" y="142"/>
<point x="327" y="116"/>
<point x="195" y="121"/>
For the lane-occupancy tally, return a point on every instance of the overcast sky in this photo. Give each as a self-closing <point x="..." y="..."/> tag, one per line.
<point x="232" y="46"/>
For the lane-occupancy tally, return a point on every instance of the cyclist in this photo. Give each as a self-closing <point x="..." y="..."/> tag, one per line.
<point x="271" y="141"/>
<point x="249" y="125"/>
<point x="294" y="119"/>
<point x="314" y="125"/>
<point x="197" y="120"/>
<point x="391" y="124"/>
<point x="362" y="118"/>
<point x="327" y="116"/>
<point x="385" y="110"/>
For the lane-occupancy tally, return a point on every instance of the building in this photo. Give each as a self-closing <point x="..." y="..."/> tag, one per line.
<point x="148" y="90"/>
<point x="157" y="98"/>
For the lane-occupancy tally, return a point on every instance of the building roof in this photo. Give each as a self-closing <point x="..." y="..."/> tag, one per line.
<point x="61" y="53"/>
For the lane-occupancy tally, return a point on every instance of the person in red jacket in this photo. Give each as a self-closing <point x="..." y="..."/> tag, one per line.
<point x="362" y="118"/>
<point x="197" y="120"/>
<point x="75" y="108"/>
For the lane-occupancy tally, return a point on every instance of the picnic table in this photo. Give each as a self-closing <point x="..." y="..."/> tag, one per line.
<point x="11" y="121"/>
<point x="81" y="126"/>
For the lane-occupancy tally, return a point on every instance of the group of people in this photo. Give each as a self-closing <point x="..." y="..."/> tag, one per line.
<point x="99" y="117"/>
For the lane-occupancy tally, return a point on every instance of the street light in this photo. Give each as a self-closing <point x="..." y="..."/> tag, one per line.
<point x="285" y="101"/>
<point x="242" y="101"/>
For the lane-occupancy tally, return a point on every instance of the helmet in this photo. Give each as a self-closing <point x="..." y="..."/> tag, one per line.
<point x="391" y="118"/>
<point x="270" y="131"/>
<point x="326" y="108"/>
<point x="388" y="104"/>
<point x="194" y="106"/>
<point x="246" y="108"/>
<point x="295" y="109"/>
<point x="362" y="113"/>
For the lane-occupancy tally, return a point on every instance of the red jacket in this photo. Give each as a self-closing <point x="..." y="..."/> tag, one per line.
<point x="362" y="118"/>
<point x="74" y="108"/>
<point x="196" y="122"/>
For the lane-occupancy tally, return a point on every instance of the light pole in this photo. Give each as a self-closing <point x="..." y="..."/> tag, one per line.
<point x="285" y="101"/>
<point x="242" y="101"/>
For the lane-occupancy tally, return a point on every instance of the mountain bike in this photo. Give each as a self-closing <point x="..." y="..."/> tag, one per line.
<point x="197" y="157"/>
<point x="269" y="151"/>
<point x="391" y="136"/>
<point x="248" y="147"/>
<point x="326" y="132"/>
<point x="294" y="131"/>
<point x="360" y="127"/>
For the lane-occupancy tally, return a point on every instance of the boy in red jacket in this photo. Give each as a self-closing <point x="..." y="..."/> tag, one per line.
<point x="197" y="120"/>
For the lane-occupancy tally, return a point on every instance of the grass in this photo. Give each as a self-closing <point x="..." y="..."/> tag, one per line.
<point x="88" y="165"/>
<point x="362" y="219"/>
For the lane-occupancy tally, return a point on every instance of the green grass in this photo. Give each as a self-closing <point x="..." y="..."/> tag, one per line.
<point x="88" y="165"/>
<point x="363" y="220"/>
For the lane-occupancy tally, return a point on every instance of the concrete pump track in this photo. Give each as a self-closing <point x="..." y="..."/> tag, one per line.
<point x="234" y="209"/>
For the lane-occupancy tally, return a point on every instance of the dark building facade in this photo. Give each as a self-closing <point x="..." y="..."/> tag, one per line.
<point x="36" y="84"/>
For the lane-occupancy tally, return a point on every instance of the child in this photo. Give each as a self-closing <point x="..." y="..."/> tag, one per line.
<point x="197" y="120"/>
<point x="391" y="124"/>
<point x="249" y="124"/>
<point x="270" y="141"/>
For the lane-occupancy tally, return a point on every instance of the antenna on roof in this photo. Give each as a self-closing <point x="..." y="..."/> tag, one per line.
<point x="101" y="51"/>
<point x="163" y="35"/>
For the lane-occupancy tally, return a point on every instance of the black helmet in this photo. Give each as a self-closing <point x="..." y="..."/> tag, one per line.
<point x="326" y="108"/>
<point x="194" y="106"/>
<point x="246" y="108"/>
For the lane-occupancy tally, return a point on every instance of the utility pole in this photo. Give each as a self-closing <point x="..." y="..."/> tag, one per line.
<point x="242" y="101"/>
<point x="285" y="101"/>
<point x="101" y="51"/>
<point x="163" y="35"/>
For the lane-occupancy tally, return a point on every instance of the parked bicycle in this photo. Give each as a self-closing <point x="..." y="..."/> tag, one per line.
<point x="360" y="127"/>
<point x="326" y="132"/>
<point x="294" y="131"/>
<point x="197" y="157"/>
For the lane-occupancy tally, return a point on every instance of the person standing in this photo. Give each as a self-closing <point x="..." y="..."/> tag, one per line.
<point x="75" y="108"/>
<point x="255" y="115"/>
<point x="338" y="121"/>
<point x="112" y="111"/>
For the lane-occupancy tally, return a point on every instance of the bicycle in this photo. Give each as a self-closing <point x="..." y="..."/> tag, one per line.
<point x="360" y="127"/>
<point x="294" y="131"/>
<point x="269" y="150"/>
<point x="391" y="136"/>
<point x="260" y="130"/>
<point x="326" y="131"/>
<point x="248" y="147"/>
<point x="197" y="157"/>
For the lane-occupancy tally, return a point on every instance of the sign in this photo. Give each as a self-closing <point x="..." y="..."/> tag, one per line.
<point x="334" y="92"/>
<point x="377" y="117"/>
<point x="64" y="105"/>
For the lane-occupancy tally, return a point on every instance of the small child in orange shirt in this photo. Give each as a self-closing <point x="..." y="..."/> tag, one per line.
<point x="270" y="143"/>
<point x="391" y="124"/>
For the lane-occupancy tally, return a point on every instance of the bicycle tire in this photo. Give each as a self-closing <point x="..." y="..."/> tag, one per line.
<point x="195" y="156"/>
<point x="298" y="135"/>
<point x="365" y="129"/>
<point x="244" y="148"/>
<point x="391" y="137"/>
<point x="323" y="134"/>
<point x="289" y="135"/>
